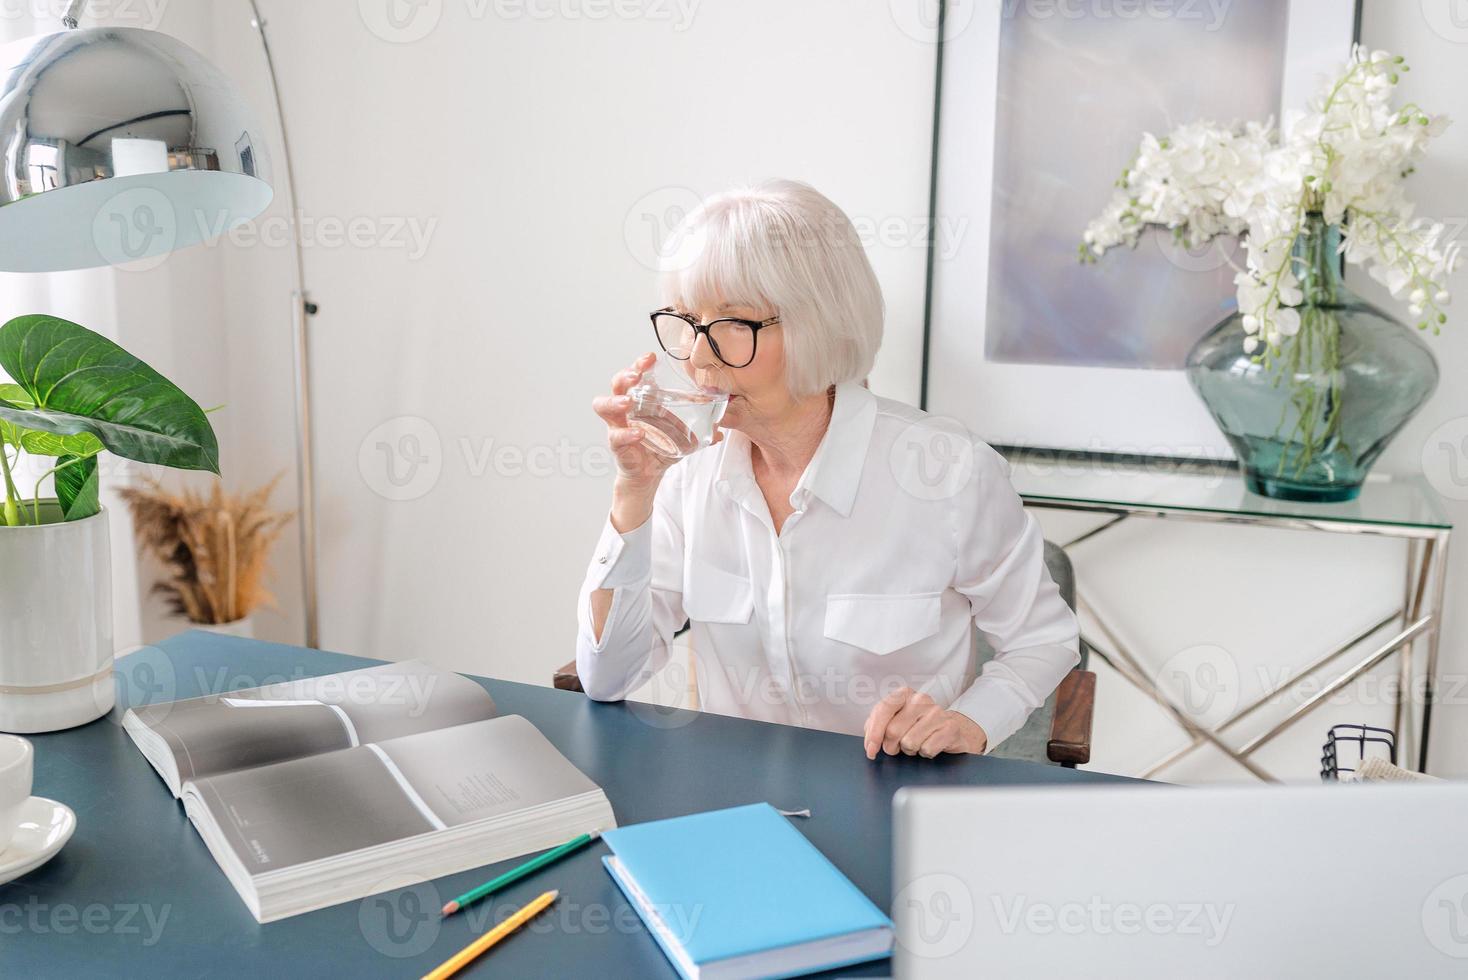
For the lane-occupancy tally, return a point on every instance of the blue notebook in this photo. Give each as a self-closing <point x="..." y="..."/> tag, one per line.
<point x="742" y="893"/>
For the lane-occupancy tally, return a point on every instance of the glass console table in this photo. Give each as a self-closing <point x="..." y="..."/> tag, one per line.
<point x="1396" y="507"/>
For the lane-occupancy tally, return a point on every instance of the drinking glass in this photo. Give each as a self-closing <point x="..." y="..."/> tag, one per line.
<point x="676" y="416"/>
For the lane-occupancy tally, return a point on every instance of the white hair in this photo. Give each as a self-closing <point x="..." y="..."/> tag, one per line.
<point x="782" y="246"/>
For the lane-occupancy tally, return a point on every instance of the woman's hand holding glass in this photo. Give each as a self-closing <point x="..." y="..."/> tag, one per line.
<point x="639" y="469"/>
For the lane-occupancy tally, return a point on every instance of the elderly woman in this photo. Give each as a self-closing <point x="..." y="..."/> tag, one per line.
<point x="834" y="549"/>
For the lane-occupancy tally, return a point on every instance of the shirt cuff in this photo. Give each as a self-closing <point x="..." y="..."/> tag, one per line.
<point x="997" y="711"/>
<point x="622" y="559"/>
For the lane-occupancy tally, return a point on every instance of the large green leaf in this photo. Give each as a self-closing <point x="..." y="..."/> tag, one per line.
<point x="77" y="488"/>
<point x="13" y="396"/>
<point x="79" y="382"/>
<point x="51" y="444"/>
<point x="41" y="443"/>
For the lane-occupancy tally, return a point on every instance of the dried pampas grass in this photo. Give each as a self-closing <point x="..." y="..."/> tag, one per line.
<point x="215" y="547"/>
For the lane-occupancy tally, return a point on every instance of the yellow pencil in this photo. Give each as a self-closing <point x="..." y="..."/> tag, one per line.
<point x="471" y="952"/>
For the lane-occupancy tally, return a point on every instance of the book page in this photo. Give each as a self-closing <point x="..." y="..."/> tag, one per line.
<point x="295" y="719"/>
<point x="477" y="772"/>
<point x="327" y="805"/>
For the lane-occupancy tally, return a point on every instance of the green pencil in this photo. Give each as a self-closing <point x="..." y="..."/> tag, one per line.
<point x="510" y="877"/>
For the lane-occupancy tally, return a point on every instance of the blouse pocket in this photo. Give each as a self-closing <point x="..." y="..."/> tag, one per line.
<point x="713" y="595"/>
<point x="881" y="624"/>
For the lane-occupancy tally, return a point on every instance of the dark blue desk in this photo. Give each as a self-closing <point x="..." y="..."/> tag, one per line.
<point x="135" y="892"/>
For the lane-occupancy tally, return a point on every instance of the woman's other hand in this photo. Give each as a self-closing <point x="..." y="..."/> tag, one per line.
<point x="639" y="469"/>
<point x="911" y="723"/>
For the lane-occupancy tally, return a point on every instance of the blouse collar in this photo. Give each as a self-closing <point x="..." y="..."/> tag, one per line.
<point x="834" y="472"/>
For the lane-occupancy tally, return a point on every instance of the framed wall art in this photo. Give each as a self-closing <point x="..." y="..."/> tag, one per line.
<point x="1041" y="105"/>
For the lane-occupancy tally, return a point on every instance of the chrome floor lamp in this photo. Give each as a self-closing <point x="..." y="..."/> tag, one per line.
<point x="302" y="309"/>
<point x="124" y="144"/>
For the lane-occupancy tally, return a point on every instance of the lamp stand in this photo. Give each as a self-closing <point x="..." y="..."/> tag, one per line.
<point x="302" y="309"/>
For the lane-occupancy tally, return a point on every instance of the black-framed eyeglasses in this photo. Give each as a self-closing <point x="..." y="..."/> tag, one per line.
<point x="732" y="340"/>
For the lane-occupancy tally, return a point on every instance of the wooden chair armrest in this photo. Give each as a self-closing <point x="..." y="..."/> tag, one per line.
<point x="566" y="678"/>
<point x="1070" y="729"/>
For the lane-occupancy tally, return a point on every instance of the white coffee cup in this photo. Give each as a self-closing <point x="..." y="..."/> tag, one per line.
<point x="16" y="760"/>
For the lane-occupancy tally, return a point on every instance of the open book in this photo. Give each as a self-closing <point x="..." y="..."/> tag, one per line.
<point x="329" y="789"/>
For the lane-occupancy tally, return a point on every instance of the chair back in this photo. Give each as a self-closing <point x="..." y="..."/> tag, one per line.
<point x="1031" y="742"/>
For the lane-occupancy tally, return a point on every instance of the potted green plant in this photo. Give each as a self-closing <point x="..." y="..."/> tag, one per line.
<point x="73" y="395"/>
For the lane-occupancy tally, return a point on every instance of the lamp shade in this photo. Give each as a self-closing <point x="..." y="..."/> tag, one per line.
<point x="119" y="145"/>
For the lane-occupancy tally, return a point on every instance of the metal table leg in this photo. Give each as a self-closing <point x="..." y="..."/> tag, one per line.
<point x="1438" y="551"/>
<point x="1425" y="580"/>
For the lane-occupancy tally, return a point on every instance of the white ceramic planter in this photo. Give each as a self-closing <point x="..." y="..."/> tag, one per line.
<point x="243" y="627"/>
<point x="55" y="624"/>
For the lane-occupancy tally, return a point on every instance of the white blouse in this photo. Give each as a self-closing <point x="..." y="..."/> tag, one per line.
<point x="905" y="533"/>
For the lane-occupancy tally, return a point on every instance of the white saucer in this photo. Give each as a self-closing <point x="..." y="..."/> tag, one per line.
<point x="45" y="827"/>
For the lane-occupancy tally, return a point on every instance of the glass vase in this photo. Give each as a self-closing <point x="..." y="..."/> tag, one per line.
<point x="1308" y="420"/>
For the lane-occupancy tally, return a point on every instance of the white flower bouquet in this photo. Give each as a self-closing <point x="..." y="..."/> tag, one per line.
<point x="1341" y="162"/>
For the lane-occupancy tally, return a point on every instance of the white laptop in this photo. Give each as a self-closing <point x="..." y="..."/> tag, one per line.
<point x="1337" y="881"/>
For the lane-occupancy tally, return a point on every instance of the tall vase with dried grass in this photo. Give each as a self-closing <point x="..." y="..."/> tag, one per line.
<point x="214" y="546"/>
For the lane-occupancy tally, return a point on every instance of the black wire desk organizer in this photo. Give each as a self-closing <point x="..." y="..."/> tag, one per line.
<point x="1350" y="744"/>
